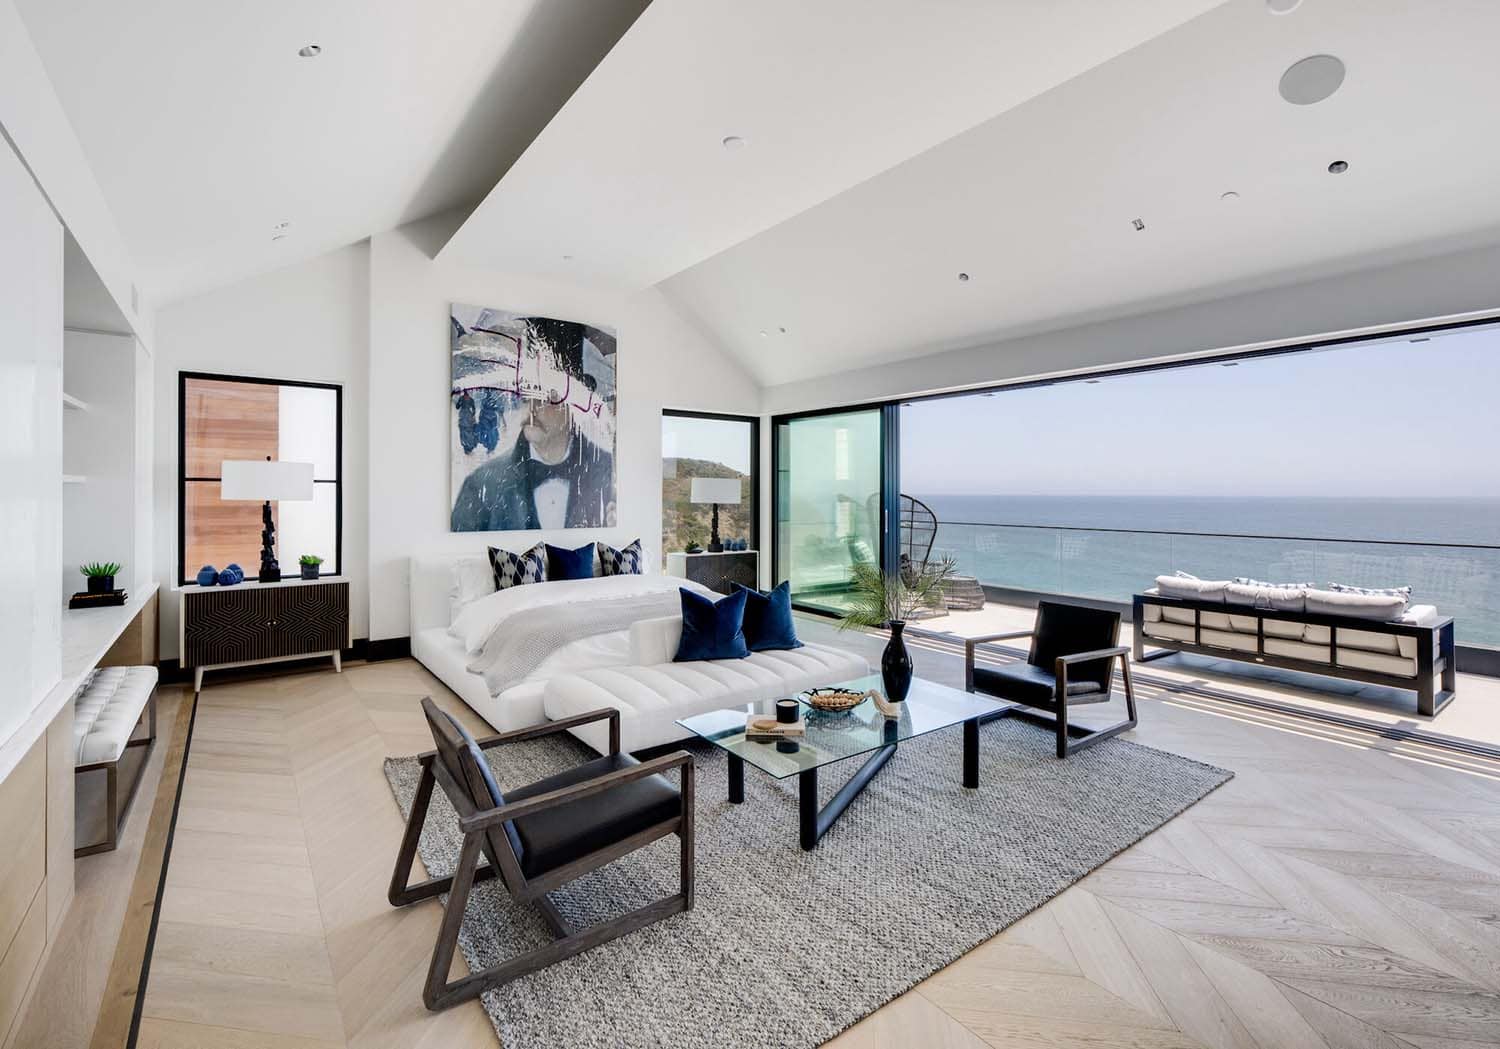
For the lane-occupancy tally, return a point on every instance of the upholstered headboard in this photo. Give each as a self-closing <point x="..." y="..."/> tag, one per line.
<point x="432" y="580"/>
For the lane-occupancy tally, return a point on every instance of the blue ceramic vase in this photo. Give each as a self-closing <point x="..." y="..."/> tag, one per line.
<point x="208" y="575"/>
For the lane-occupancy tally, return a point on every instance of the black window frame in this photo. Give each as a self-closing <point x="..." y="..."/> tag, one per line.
<point x="183" y="378"/>
<point x="754" y="421"/>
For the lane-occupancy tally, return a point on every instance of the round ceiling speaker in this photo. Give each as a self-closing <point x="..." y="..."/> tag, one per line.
<point x="1282" y="7"/>
<point x="1311" y="80"/>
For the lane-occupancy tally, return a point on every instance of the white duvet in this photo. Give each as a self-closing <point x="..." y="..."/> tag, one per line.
<point x="481" y="618"/>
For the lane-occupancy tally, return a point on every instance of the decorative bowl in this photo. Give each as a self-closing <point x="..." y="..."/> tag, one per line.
<point x="834" y="700"/>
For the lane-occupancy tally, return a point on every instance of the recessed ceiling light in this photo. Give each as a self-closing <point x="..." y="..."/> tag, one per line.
<point x="1338" y="167"/>
<point x="1091" y="382"/>
<point x="765" y="334"/>
<point x="1230" y="364"/>
<point x="1311" y="80"/>
<point x="1139" y="224"/>
<point x="781" y="330"/>
<point x="1282" y="7"/>
<point x="567" y="258"/>
<point x="280" y="230"/>
<point x="733" y="142"/>
<point x="963" y="278"/>
<point x="1229" y="195"/>
<point x="310" y="51"/>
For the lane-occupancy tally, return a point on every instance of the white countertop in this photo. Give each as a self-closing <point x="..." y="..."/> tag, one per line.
<point x="87" y="633"/>
<point x="250" y="583"/>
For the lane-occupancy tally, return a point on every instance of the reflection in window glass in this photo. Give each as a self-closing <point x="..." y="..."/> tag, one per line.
<point x="696" y="446"/>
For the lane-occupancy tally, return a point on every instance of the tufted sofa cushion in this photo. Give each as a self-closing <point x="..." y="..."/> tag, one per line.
<point x="106" y="709"/>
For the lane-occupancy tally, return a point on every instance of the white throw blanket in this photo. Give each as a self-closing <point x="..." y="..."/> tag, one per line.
<point x="510" y="633"/>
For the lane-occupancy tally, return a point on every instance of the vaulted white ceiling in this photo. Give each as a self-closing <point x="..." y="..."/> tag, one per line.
<point x="889" y="146"/>
<point x="205" y="129"/>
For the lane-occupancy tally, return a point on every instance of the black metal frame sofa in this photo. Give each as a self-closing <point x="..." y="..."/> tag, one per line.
<point x="1414" y="651"/>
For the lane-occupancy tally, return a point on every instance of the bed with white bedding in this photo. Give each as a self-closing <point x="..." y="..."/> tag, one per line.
<point x="456" y="612"/>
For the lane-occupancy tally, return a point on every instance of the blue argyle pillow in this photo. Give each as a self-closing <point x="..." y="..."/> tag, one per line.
<point x="516" y="569"/>
<point x="627" y="561"/>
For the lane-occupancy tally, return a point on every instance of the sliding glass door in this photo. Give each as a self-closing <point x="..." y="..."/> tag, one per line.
<point x="830" y="502"/>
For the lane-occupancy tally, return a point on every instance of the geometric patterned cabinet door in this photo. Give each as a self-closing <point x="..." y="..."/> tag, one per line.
<point x="261" y="623"/>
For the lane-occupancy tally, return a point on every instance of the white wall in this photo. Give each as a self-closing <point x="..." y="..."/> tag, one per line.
<point x="1446" y="286"/>
<point x="664" y="362"/>
<point x="308" y="322"/>
<point x="100" y="445"/>
<point x="31" y="269"/>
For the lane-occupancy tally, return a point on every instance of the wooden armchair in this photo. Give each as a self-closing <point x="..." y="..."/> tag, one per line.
<point x="1071" y="661"/>
<point x="539" y="838"/>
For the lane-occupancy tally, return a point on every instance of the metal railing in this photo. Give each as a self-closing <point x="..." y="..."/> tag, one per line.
<point x="1461" y="579"/>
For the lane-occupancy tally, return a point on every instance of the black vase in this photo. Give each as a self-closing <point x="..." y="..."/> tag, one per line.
<point x="310" y="571"/>
<point x="101" y="584"/>
<point x="895" y="665"/>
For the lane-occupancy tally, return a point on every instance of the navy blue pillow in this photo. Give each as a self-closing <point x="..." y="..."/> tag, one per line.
<point x="712" y="629"/>
<point x="570" y="564"/>
<point x="768" y="618"/>
<point x="489" y="778"/>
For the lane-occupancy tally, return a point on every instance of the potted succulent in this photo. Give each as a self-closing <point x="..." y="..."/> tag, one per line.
<point x="309" y="563"/>
<point x="692" y="547"/>
<point x="880" y="600"/>
<point x="100" y="576"/>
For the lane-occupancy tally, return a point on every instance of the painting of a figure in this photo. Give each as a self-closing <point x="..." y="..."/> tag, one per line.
<point x="533" y="422"/>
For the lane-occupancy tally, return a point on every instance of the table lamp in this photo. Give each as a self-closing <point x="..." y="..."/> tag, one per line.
<point x="716" y="490"/>
<point x="268" y="481"/>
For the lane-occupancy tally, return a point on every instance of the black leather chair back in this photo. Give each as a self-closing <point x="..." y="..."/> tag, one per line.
<point x="457" y="760"/>
<point x="1065" y="629"/>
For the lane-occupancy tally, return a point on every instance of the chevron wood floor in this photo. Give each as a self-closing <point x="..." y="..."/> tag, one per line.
<point x="1341" y="892"/>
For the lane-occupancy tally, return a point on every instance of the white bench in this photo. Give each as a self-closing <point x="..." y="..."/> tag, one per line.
<point x="108" y="708"/>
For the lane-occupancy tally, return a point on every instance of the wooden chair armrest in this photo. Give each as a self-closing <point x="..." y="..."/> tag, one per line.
<point x="970" y="643"/>
<point x="1098" y="653"/>
<point x="494" y="817"/>
<point x="549" y="728"/>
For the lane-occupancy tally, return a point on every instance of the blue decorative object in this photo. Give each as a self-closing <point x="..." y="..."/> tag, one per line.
<point x="712" y="629"/>
<point x="570" y="564"/>
<point x="229" y="578"/>
<point x="768" y="618"/>
<point x="208" y="575"/>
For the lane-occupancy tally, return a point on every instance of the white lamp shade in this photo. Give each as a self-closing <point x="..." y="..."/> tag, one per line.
<point x="724" y="490"/>
<point x="262" y="479"/>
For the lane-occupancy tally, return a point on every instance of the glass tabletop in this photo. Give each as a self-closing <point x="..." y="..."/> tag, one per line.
<point x="833" y="737"/>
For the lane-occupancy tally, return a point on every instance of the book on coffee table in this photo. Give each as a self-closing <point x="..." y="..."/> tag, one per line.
<point x="764" y="728"/>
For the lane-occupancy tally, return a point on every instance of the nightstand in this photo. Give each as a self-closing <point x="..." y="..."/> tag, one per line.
<point x="717" y="571"/>
<point x="252" y="623"/>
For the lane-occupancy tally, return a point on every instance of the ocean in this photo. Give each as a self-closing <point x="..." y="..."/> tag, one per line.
<point x="1050" y="544"/>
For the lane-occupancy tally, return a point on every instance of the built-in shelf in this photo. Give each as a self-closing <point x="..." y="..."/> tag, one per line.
<point x="73" y="478"/>
<point x="69" y="401"/>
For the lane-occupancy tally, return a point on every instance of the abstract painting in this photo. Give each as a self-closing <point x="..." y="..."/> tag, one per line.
<point x="532" y="425"/>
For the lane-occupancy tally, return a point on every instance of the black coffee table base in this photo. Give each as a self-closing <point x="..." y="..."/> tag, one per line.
<point x="814" y="822"/>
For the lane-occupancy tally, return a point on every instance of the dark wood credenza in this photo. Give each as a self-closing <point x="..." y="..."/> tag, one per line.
<point x="717" y="571"/>
<point x="250" y="623"/>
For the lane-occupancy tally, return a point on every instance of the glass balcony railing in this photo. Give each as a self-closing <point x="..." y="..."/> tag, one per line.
<point x="1461" y="579"/>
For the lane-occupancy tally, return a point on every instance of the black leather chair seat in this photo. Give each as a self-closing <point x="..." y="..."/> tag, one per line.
<point x="1024" y="683"/>
<point x="554" y="837"/>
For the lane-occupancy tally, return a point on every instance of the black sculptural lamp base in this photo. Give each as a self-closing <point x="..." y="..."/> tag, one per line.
<point x="714" y="544"/>
<point x="270" y="571"/>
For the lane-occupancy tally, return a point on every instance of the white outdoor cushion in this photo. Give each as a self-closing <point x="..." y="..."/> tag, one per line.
<point x="1228" y="639"/>
<point x="1400" y="666"/>
<point x="1380" y="607"/>
<point x="1152" y="612"/>
<point x="1297" y="650"/>
<point x="1185" y="616"/>
<point x="1191" y="588"/>
<point x="1261" y="595"/>
<point x="1180" y="631"/>
<point x="651" y="698"/>
<point x="1215" y="620"/>
<point x="106" y="709"/>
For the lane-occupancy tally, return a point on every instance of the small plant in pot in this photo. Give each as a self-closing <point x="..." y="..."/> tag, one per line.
<point x="100" y="576"/>
<point x="879" y="600"/>
<point x="310" y="565"/>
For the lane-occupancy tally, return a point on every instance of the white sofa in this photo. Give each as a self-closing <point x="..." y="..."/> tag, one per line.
<point x="635" y="675"/>
<point x="653" y="691"/>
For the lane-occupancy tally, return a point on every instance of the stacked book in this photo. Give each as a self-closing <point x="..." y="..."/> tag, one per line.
<point x="84" y="599"/>
<point x="764" y="728"/>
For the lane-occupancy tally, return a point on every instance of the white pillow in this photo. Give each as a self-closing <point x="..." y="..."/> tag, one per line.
<point x="1379" y="607"/>
<point x="1191" y="588"/>
<point x="472" y="578"/>
<point x="1403" y="592"/>
<point x="655" y="641"/>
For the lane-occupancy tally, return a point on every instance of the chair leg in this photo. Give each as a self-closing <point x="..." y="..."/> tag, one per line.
<point x="1061" y="719"/>
<point x="687" y="836"/>
<point x="400" y="892"/>
<point x="438" y="992"/>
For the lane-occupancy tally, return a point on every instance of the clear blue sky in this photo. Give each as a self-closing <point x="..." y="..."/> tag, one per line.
<point x="1369" y="419"/>
<point x="724" y="441"/>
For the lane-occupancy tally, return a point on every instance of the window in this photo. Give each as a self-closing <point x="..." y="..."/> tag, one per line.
<point x="231" y="417"/>
<point x="694" y="444"/>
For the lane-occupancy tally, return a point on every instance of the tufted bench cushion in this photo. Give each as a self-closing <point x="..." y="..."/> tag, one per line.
<point x="651" y="698"/>
<point x="106" y="710"/>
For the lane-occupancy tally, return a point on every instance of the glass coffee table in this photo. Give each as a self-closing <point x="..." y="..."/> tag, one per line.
<point x="831" y="738"/>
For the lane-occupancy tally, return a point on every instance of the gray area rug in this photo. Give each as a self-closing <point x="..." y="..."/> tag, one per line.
<point x="787" y="948"/>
